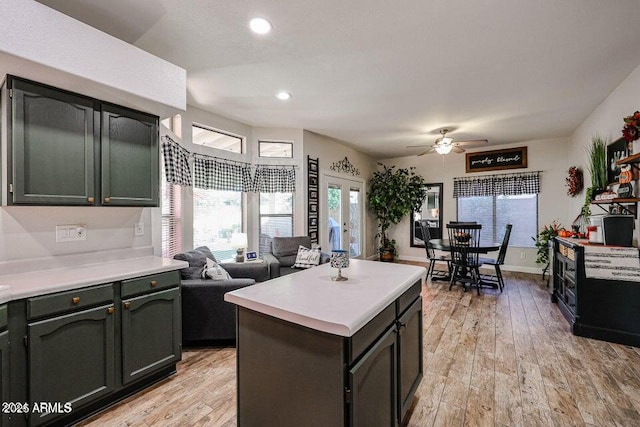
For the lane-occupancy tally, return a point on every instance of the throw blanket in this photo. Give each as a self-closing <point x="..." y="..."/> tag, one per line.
<point x="601" y="262"/>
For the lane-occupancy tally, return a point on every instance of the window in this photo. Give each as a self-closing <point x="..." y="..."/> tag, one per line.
<point x="276" y="216"/>
<point x="495" y="212"/>
<point x="216" y="216"/>
<point x="275" y="149"/>
<point x="216" y="139"/>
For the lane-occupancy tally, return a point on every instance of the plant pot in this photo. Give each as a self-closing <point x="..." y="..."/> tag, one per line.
<point x="386" y="255"/>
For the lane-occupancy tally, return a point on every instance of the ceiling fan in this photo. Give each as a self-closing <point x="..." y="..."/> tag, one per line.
<point x="445" y="144"/>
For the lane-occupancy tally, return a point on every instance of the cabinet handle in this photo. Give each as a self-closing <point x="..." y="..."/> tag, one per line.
<point x="75" y="300"/>
<point x="401" y="327"/>
<point x="111" y="310"/>
<point x="107" y="199"/>
<point x="154" y="283"/>
<point x="90" y="199"/>
<point x="127" y="304"/>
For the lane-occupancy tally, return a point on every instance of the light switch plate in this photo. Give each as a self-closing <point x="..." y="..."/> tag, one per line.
<point x="71" y="233"/>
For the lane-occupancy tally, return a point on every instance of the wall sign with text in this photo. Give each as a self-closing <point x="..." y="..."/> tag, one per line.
<point x="509" y="158"/>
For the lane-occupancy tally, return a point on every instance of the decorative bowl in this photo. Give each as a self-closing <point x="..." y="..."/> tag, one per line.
<point x="462" y="237"/>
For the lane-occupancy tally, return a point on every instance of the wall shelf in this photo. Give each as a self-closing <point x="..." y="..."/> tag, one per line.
<point x="632" y="160"/>
<point x="622" y="203"/>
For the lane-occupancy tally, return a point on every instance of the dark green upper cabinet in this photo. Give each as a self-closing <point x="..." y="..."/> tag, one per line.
<point x="68" y="149"/>
<point x="130" y="157"/>
<point x="53" y="140"/>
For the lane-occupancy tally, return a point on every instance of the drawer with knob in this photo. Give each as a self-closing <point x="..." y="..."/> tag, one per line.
<point x="62" y="302"/>
<point x="152" y="283"/>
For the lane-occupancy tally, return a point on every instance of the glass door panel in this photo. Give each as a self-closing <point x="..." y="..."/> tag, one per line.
<point x="344" y="215"/>
<point x="334" y="215"/>
<point x="354" y="232"/>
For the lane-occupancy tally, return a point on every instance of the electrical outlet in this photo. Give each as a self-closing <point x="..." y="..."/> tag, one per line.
<point x="71" y="233"/>
<point x="523" y="255"/>
<point x="138" y="228"/>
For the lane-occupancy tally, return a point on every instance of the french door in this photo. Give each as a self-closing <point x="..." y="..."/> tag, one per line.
<point x="343" y="202"/>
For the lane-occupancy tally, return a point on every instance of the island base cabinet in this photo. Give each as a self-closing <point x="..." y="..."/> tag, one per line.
<point x="151" y="333"/>
<point x="410" y="361"/>
<point x="372" y="385"/>
<point x="4" y="375"/>
<point x="71" y="361"/>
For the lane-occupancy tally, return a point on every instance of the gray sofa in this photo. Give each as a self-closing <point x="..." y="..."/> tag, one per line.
<point x="206" y="316"/>
<point x="283" y="253"/>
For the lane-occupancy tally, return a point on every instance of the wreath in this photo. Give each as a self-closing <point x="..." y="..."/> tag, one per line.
<point x="630" y="130"/>
<point x="574" y="181"/>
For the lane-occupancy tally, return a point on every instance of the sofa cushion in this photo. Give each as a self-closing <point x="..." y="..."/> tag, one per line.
<point x="197" y="260"/>
<point x="288" y="246"/>
<point x="214" y="271"/>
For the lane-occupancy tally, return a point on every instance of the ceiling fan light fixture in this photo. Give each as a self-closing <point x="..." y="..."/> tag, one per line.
<point x="260" y="25"/>
<point x="283" y="95"/>
<point x="444" y="149"/>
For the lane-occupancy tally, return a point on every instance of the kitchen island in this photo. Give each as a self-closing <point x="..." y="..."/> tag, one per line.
<point x="312" y="351"/>
<point x="597" y="289"/>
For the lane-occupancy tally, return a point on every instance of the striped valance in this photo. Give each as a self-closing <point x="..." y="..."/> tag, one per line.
<point x="216" y="174"/>
<point x="511" y="184"/>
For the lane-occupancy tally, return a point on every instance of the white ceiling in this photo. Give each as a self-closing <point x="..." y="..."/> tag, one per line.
<point x="382" y="74"/>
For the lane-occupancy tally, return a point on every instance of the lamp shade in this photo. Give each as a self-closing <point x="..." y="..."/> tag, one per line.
<point x="238" y="240"/>
<point x="339" y="259"/>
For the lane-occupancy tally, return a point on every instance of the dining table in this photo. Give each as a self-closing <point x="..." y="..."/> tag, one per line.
<point x="444" y="245"/>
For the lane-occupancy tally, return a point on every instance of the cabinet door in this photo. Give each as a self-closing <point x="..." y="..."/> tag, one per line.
<point x="71" y="360"/>
<point x="372" y="382"/>
<point x="52" y="140"/>
<point x="151" y="333"/>
<point x="4" y="375"/>
<point x="409" y="356"/>
<point x="130" y="156"/>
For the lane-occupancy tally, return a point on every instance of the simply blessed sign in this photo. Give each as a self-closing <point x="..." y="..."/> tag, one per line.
<point x="510" y="158"/>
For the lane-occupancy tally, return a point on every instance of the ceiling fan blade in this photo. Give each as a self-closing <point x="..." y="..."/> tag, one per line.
<point x="417" y="146"/>
<point x="429" y="151"/>
<point x="472" y="142"/>
<point x="457" y="149"/>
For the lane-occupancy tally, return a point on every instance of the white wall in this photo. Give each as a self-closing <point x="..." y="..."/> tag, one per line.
<point x="548" y="156"/>
<point x="607" y="121"/>
<point x="329" y="150"/>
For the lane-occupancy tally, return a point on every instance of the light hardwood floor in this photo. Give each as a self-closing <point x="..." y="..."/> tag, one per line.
<point x="494" y="359"/>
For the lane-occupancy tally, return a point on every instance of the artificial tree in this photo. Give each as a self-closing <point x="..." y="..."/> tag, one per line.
<point x="392" y="194"/>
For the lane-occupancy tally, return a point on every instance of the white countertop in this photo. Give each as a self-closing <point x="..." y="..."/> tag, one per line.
<point x="40" y="282"/>
<point x="310" y="298"/>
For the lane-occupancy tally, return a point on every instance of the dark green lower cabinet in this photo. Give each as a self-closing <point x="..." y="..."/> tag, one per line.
<point x="409" y="356"/>
<point x="4" y="375"/>
<point x="372" y="382"/>
<point x="71" y="360"/>
<point x="151" y="333"/>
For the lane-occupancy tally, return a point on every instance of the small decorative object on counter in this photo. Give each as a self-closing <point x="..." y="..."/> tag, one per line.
<point x="339" y="260"/>
<point x="574" y="181"/>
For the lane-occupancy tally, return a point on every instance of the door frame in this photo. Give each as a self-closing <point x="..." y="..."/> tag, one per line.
<point x="325" y="178"/>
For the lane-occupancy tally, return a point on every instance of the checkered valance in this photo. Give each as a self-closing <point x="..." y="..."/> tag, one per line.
<point x="274" y="179"/>
<point x="497" y="185"/>
<point x="211" y="173"/>
<point x="176" y="162"/>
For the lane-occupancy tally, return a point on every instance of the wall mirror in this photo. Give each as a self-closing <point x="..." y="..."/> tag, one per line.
<point x="431" y="211"/>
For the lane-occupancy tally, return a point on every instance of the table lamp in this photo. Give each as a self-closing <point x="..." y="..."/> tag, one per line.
<point x="239" y="242"/>
<point x="339" y="260"/>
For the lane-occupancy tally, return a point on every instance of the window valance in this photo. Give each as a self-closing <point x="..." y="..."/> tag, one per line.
<point x="212" y="173"/>
<point x="511" y="184"/>
<point x="176" y="162"/>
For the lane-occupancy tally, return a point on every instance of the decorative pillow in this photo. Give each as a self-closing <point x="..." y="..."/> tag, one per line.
<point x="213" y="271"/>
<point x="307" y="258"/>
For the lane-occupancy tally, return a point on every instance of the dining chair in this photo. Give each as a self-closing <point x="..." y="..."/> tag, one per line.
<point x="431" y="253"/>
<point x="497" y="262"/>
<point x="464" y="241"/>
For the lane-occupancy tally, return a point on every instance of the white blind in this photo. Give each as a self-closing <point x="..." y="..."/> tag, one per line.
<point x="495" y="212"/>
<point x="171" y="218"/>
<point x="276" y="216"/>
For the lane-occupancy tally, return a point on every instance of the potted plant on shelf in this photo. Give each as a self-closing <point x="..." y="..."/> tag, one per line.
<point x="597" y="153"/>
<point x="392" y="194"/>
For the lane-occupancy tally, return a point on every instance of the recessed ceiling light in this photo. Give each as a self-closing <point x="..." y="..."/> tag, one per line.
<point x="260" y="25"/>
<point x="283" y="95"/>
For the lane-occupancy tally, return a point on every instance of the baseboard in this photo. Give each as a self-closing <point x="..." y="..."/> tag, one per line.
<point x="513" y="268"/>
